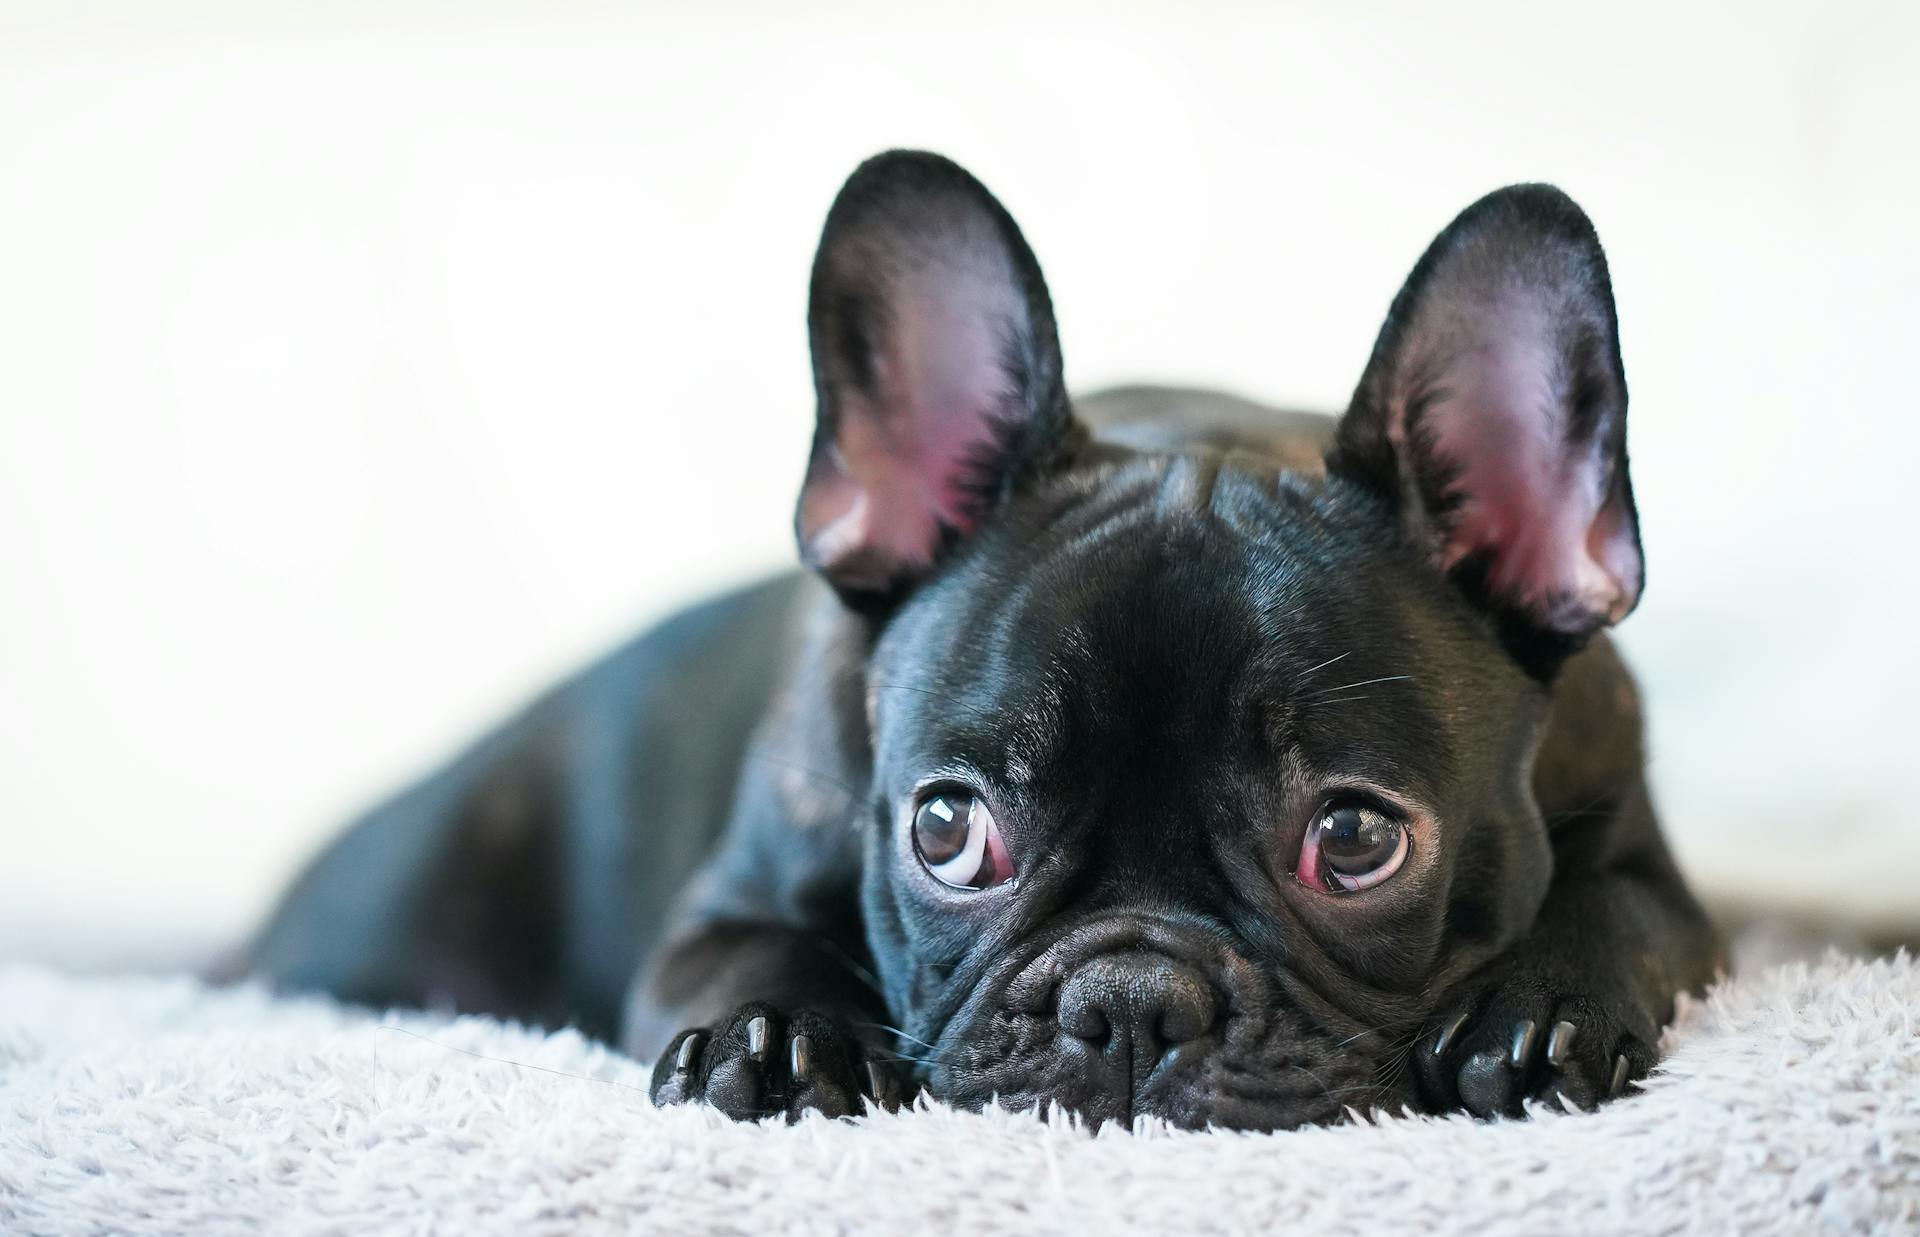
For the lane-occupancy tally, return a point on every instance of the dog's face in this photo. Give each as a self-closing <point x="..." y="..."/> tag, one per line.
<point x="1194" y="779"/>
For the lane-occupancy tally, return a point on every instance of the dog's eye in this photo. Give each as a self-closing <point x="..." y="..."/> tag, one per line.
<point x="1352" y="847"/>
<point x="956" y="837"/>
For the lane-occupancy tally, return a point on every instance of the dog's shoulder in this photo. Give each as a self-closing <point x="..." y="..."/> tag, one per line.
<point x="1592" y="758"/>
<point x="1157" y="418"/>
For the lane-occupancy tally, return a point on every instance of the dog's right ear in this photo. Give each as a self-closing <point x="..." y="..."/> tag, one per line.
<point x="937" y="368"/>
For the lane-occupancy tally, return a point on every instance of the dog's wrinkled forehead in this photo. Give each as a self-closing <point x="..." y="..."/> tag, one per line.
<point x="1159" y="607"/>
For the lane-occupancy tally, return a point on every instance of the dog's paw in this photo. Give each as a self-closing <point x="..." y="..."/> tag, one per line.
<point x="761" y="1062"/>
<point x="1494" y="1045"/>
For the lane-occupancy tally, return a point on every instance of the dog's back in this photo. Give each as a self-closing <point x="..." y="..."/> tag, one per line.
<point x="528" y="876"/>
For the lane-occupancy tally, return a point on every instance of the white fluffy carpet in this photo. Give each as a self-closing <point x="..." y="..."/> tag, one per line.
<point x="1790" y="1104"/>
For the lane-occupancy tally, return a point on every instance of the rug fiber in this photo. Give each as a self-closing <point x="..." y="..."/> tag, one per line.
<point x="1790" y="1103"/>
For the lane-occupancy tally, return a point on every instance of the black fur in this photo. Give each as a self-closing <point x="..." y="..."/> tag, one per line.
<point x="1155" y="663"/>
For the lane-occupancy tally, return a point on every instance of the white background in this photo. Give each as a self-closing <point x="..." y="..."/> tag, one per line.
<point x="365" y="366"/>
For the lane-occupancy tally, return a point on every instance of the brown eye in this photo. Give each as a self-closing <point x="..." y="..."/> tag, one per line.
<point x="1352" y="847"/>
<point x="956" y="838"/>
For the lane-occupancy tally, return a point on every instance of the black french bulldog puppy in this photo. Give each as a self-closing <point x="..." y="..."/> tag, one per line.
<point x="1160" y="755"/>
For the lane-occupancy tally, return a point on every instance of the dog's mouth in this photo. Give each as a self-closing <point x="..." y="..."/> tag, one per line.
<point x="1130" y="1020"/>
<point x="1239" y="1078"/>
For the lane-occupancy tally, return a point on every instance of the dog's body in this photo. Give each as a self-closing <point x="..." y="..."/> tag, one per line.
<point x="1120" y="755"/>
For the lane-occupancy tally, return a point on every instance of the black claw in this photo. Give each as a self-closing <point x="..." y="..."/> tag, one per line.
<point x="757" y="1037"/>
<point x="1560" y="1043"/>
<point x="800" y="1059"/>
<point x="1445" y="1039"/>
<point x="1619" y="1082"/>
<point x="673" y="1079"/>
<point x="880" y="1087"/>
<point x="1523" y="1037"/>
<point x="689" y="1049"/>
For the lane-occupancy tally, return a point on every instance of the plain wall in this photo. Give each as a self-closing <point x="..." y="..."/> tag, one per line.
<point x="365" y="366"/>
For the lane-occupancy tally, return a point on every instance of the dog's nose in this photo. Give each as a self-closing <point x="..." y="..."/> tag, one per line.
<point x="1136" y="1004"/>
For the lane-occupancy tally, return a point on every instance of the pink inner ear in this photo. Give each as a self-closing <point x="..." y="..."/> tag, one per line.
<point x="903" y="458"/>
<point x="1540" y="506"/>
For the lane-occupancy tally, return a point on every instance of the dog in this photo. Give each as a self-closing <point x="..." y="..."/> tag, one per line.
<point x="1155" y="754"/>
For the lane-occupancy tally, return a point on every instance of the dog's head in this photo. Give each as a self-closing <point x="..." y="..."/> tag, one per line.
<point x="1195" y="777"/>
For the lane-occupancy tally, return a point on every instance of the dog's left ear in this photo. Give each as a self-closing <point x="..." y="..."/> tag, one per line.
<point x="937" y="368"/>
<point x="1493" y="413"/>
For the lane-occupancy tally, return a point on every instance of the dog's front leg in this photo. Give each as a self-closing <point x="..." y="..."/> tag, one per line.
<point x="765" y="1019"/>
<point x="1577" y="1006"/>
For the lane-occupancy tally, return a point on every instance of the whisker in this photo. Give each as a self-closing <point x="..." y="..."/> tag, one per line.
<point x="1402" y="1062"/>
<point x="927" y="1061"/>
<point x="924" y="691"/>
<point x="1318" y="1080"/>
<point x="1340" y="699"/>
<point x="1302" y="676"/>
<point x="1389" y="678"/>
<point x="847" y="960"/>
<point x="881" y="1026"/>
<point x="1399" y="1053"/>
<point x="1363" y="1034"/>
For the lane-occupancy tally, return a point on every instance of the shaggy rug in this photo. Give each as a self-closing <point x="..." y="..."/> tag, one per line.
<point x="1790" y="1103"/>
